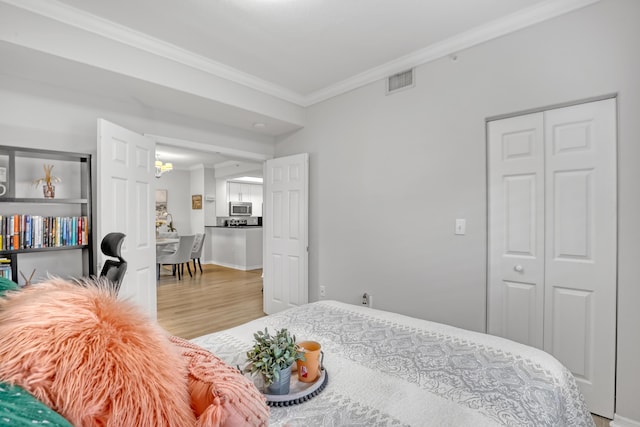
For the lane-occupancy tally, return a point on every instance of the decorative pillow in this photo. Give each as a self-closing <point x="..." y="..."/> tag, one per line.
<point x="220" y="394"/>
<point x="19" y="408"/>
<point x="95" y="360"/>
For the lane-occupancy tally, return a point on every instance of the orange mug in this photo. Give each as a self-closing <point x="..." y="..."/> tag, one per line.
<point x="309" y="369"/>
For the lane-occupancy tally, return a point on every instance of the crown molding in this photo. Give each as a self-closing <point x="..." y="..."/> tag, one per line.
<point x="77" y="18"/>
<point x="248" y="156"/>
<point x="514" y="22"/>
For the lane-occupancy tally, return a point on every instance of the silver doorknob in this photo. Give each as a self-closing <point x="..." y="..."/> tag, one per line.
<point x="518" y="268"/>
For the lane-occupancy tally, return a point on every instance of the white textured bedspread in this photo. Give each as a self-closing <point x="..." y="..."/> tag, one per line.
<point x="386" y="369"/>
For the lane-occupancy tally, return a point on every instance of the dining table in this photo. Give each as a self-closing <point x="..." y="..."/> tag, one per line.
<point x="165" y="241"/>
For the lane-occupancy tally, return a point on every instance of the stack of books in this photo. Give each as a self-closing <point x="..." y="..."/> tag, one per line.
<point x="35" y="231"/>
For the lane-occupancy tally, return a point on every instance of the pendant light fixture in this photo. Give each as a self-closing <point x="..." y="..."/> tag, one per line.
<point x="162" y="167"/>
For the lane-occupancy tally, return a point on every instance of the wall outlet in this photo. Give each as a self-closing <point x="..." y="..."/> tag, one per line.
<point x="366" y="300"/>
<point x="323" y="291"/>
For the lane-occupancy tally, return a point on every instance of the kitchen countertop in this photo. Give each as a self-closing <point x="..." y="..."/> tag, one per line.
<point x="235" y="226"/>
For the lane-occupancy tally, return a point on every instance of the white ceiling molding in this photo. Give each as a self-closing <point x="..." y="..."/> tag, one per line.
<point x="492" y="30"/>
<point x="77" y="18"/>
<point x="225" y="151"/>
<point x="88" y="22"/>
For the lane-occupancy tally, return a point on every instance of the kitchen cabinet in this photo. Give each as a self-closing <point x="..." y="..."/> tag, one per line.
<point x="236" y="247"/>
<point x="256" y="199"/>
<point x="243" y="192"/>
<point x="237" y="190"/>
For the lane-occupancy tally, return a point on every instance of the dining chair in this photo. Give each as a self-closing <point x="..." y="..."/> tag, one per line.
<point x="196" y="252"/>
<point x="178" y="258"/>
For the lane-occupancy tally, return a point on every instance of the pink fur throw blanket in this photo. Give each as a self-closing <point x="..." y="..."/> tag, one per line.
<point x="94" y="359"/>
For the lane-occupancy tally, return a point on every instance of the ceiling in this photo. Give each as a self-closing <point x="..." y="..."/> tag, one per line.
<point x="185" y="159"/>
<point x="293" y="52"/>
<point x="303" y="46"/>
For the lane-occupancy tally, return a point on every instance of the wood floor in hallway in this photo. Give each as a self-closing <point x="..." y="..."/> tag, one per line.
<point x="219" y="298"/>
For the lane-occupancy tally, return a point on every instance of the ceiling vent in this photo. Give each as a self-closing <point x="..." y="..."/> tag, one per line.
<point x="400" y="81"/>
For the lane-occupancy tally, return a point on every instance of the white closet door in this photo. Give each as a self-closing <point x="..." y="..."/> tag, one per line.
<point x="516" y="229"/>
<point x="581" y="245"/>
<point x="553" y="239"/>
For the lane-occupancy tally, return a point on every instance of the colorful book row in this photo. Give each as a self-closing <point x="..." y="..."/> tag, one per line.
<point x="35" y="231"/>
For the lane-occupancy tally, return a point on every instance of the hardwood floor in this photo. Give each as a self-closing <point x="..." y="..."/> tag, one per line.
<point x="220" y="298"/>
<point x="601" y="422"/>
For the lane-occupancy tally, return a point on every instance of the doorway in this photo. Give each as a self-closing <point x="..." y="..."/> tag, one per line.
<point x="217" y="299"/>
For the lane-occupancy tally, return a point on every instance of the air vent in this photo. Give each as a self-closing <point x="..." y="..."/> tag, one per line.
<point x="400" y="81"/>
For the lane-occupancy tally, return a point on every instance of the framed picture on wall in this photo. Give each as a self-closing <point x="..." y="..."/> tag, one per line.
<point x="161" y="204"/>
<point x="196" y="201"/>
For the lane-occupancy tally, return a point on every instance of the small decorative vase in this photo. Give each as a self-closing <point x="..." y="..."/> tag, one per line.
<point x="282" y="385"/>
<point x="49" y="191"/>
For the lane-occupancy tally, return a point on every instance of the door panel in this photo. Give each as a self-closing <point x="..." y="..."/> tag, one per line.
<point x="573" y="214"/>
<point x="516" y="212"/>
<point x="126" y="198"/>
<point x="520" y="220"/>
<point x="286" y="231"/>
<point x="571" y="334"/>
<point x="521" y="316"/>
<point x="581" y="246"/>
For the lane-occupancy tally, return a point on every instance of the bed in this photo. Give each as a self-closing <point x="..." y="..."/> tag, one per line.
<point x="388" y="369"/>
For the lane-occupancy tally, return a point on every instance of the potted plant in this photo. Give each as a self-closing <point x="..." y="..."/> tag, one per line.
<point x="272" y="356"/>
<point x="48" y="188"/>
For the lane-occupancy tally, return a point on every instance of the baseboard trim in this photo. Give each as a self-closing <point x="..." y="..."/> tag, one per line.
<point x="619" y="421"/>
<point x="236" y="267"/>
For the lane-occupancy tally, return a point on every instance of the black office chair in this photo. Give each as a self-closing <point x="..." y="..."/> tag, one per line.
<point x="112" y="269"/>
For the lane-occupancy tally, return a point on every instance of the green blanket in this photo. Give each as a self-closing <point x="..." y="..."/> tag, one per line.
<point x="19" y="408"/>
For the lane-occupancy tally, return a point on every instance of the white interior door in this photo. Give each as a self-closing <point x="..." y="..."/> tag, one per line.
<point x="553" y="239"/>
<point x="285" y="264"/>
<point x="126" y="197"/>
<point x="581" y="246"/>
<point x="516" y="229"/>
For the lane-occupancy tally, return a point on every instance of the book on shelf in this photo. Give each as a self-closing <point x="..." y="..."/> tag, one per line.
<point x="5" y="268"/>
<point x="36" y="231"/>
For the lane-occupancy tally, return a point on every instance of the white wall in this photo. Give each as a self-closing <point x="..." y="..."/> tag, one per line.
<point x="209" y="190"/>
<point x="222" y="206"/>
<point x="389" y="174"/>
<point x="197" y="187"/>
<point x="40" y="116"/>
<point x="178" y="199"/>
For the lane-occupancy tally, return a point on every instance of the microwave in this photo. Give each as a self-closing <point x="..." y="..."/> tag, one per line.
<point x="240" y="208"/>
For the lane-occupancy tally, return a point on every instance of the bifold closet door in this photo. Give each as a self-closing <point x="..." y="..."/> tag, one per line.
<point x="552" y="239"/>
<point x="581" y="246"/>
<point x="516" y="229"/>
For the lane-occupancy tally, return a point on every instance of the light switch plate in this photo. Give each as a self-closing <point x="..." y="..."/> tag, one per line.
<point x="461" y="226"/>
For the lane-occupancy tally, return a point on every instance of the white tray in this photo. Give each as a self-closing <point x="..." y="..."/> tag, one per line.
<point x="299" y="391"/>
